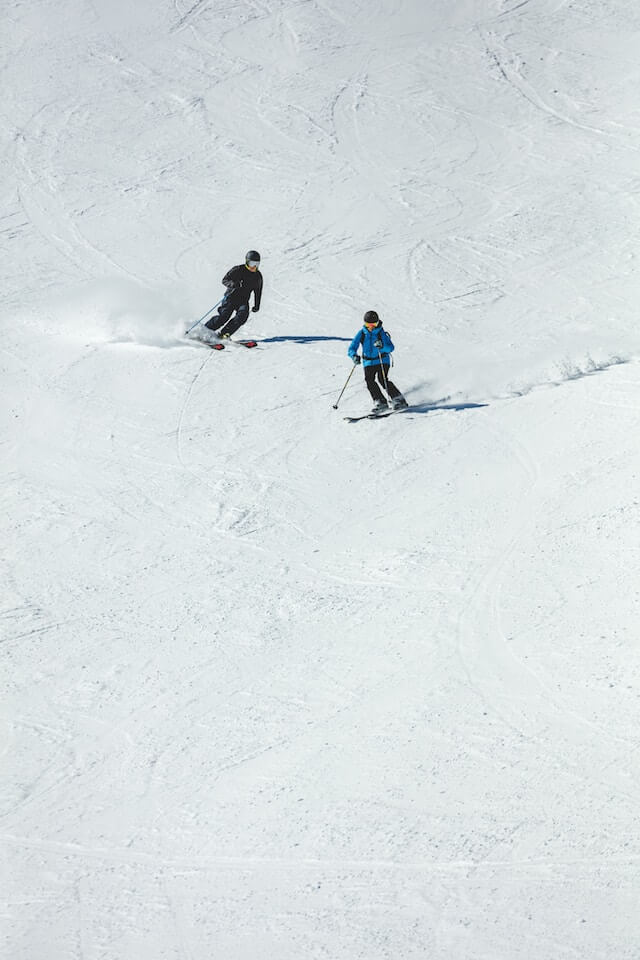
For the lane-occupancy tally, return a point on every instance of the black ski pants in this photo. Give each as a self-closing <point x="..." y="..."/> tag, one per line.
<point x="224" y="322"/>
<point x="380" y="372"/>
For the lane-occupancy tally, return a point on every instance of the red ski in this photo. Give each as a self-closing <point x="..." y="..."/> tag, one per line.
<point x="221" y="344"/>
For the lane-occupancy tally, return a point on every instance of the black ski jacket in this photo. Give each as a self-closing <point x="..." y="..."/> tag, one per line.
<point x="241" y="283"/>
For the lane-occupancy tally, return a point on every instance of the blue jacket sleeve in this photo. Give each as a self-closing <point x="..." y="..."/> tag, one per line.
<point x="355" y="343"/>
<point x="387" y="342"/>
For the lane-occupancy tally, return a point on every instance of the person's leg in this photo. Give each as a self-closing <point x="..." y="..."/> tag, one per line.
<point x="397" y="400"/>
<point x="236" y="322"/>
<point x="390" y="387"/>
<point x="370" y="380"/>
<point x="220" y="318"/>
<point x="382" y="371"/>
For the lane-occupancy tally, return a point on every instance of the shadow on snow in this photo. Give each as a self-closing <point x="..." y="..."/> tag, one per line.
<point x="442" y="405"/>
<point x="302" y="339"/>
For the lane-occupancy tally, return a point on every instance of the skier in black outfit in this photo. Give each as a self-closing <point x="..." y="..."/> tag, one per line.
<point x="241" y="282"/>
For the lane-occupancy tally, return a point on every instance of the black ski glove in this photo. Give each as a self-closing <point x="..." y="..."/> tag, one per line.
<point x="254" y="309"/>
<point x="378" y="344"/>
<point x="357" y="359"/>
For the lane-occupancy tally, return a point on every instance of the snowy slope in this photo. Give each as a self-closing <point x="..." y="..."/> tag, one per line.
<point x="276" y="685"/>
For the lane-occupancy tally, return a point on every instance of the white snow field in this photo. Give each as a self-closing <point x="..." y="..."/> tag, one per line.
<point x="277" y="686"/>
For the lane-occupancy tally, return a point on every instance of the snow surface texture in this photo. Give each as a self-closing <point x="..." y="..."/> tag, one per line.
<point x="276" y="686"/>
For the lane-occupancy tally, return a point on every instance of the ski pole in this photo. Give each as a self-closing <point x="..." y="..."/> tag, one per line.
<point x="210" y="310"/>
<point x="384" y="376"/>
<point x="335" y="406"/>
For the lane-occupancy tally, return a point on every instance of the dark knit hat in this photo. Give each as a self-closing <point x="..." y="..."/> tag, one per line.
<point x="371" y="317"/>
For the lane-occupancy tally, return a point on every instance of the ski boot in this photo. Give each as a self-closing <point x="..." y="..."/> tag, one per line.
<point x="380" y="406"/>
<point x="399" y="403"/>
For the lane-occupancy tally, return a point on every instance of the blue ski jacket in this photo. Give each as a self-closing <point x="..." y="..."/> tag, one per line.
<point x="367" y="339"/>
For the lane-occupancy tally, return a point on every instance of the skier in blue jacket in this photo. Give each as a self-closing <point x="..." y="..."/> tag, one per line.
<point x="377" y="346"/>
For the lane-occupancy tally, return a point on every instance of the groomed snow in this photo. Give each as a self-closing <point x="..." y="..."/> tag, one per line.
<point x="278" y="686"/>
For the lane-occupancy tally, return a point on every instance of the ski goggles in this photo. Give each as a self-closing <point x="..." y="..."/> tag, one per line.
<point x="372" y="326"/>
<point x="253" y="264"/>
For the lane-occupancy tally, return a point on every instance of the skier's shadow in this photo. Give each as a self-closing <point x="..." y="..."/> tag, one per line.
<point x="442" y="405"/>
<point x="303" y="339"/>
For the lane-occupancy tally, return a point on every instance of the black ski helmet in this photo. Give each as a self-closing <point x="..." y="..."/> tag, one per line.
<point x="371" y="317"/>
<point x="252" y="256"/>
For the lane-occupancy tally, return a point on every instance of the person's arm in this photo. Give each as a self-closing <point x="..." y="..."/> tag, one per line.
<point x="257" y="293"/>
<point x="387" y="342"/>
<point x="353" y="347"/>
<point x="230" y="278"/>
